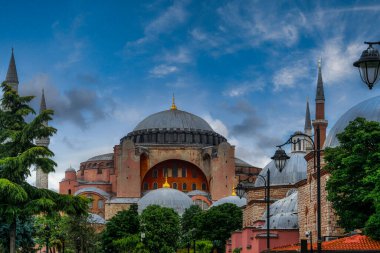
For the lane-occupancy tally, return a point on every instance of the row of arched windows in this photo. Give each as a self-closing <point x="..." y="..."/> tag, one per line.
<point x="176" y="186"/>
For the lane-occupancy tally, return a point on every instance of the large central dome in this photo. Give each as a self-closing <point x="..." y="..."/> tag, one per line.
<point x="173" y="119"/>
<point x="174" y="127"/>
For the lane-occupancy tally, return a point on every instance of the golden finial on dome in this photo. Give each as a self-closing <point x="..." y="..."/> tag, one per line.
<point x="173" y="107"/>
<point x="166" y="184"/>
<point x="233" y="191"/>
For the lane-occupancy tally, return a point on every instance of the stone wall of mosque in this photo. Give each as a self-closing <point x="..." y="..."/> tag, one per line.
<point x="307" y="205"/>
<point x="256" y="205"/>
<point x="111" y="209"/>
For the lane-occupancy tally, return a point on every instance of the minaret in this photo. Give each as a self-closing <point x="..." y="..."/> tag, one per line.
<point x="12" y="78"/>
<point x="308" y="128"/>
<point x="41" y="177"/>
<point x="320" y="120"/>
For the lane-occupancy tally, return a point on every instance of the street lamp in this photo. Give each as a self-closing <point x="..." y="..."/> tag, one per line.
<point x="242" y="187"/>
<point x="369" y="64"/>
<point x="317" y="156"/>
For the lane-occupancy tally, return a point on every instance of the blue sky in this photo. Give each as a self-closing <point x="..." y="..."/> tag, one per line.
<point x="247" y="67"/>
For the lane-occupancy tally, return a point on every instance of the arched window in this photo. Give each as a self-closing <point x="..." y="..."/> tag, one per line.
<point x="203" y="186"/>
<point x="299" y="144"/>
<point x="184" y="187"/>
<point x="69" y="192"/>
<point x="184" y="174"/>
<point x="194" y="173"/>
<point x="175" y="186"/>
<point x="155" y="185"/>
<point x="145" y="186"/>
<point x="193" y="186"/>
<point x="100" y="203"/>
<point x="155" y="173"/>
<point x="175" y="172"/>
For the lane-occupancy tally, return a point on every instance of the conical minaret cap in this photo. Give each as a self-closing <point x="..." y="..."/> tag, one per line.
<point x="12" y="71"/>
<point x="320" y="92"/>
<point x="307" y="117"/>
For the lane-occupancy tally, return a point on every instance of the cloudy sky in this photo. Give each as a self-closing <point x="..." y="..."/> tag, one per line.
<point x="247" y="67"/>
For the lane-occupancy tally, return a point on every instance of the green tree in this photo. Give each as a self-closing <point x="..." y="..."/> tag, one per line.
<point x="124" y="224"/>
<point x="24" y="239"/>
<point x="219" y="222"/>
<point x="354" y="184"/>
<point x="161" y="228"/>
<point x="190" y="223"/>
<point x="18" y="153"/>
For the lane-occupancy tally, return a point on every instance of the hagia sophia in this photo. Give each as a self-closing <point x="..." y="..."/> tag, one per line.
<point x="175" y="159"/>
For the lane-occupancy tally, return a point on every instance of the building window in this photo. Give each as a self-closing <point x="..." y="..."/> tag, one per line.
<point x="184" y="187"/>
<point x="155" y="185"/>
<point x="100" y="203"/>
<point x="175" y="172"/>
<point x="155" y="173"/>
<point x="99" y="171"/>
<point x="145" y="186"/>
<point x="175" y="186"/>
<point x="69" y="192"/>
<point x="193" y="186"/>
<point x="194" y="173"/>
<point x="166" y="172"/>
<point x="203" y="186"/>
<point x="184" y="172"/>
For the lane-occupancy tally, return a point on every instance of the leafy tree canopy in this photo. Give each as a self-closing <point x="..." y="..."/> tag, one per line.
<point x="190" y="224"/>
<point x="124" y="224"/>
<point x="219" y="222"/>
<point x="161" y="228"/>
<point x="354" y="184"/>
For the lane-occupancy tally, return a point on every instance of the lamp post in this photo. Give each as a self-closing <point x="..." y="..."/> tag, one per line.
<point x="280" y="160"/>
<point x="242" y="187"/>
<point x="369" y="64"/>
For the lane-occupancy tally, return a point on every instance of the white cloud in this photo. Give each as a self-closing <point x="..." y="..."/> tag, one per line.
<point x="182" y="55"/>
<point x="337" y="59"/>
<point x="290" y="76"/>
<point x="174" y="16"/>
<point x="217" y="125"/>
<point x="244" y="88"/>
<point x="163" y="70"/>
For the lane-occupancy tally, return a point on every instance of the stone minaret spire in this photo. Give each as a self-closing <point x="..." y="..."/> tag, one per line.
<point x="12" y="78"/>
<point x="41" y="177"/>
<point x="320" y="120"/>
<point x="308" y="128"/>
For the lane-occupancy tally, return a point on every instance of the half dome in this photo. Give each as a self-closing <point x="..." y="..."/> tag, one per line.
<point x="294" y="171"/>
<point x="368" y="109"/>
<point x="166" y="197"/>
<point x="239" y="202"/>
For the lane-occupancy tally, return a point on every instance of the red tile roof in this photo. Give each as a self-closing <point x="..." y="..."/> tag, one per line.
<point x="355" y="242"/>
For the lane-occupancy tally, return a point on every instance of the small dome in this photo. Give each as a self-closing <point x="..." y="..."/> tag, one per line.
<point x="104" y="157"/>
<point x="197" y="193"/>
<point x="166" y="197"/>
<point x="175" y="119"/>
<point x="283" y="221"/>
<point x="283" y="212"/>
<point x="294" y="171"/>
<point x="288" y="204"/>
<point x="70" y="169"/>
<point x="368" y="109"/>
<point x="95" y="219"/>
<point x="232" y="200"/>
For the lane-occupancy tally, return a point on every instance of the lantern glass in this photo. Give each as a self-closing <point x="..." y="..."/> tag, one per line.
<point x="369" y="72"/>
<point x="240" y="191"/>
<point x="280" y="158"/>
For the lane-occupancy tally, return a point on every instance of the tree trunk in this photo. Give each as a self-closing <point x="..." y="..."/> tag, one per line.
<point x="12" y="237"/>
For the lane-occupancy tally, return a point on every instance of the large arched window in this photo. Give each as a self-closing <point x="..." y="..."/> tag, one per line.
<point x="184" y="187"/>
<point x="194" y="186"/>
<point x="100" y="204"/>
<point x="174" y="185"/>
